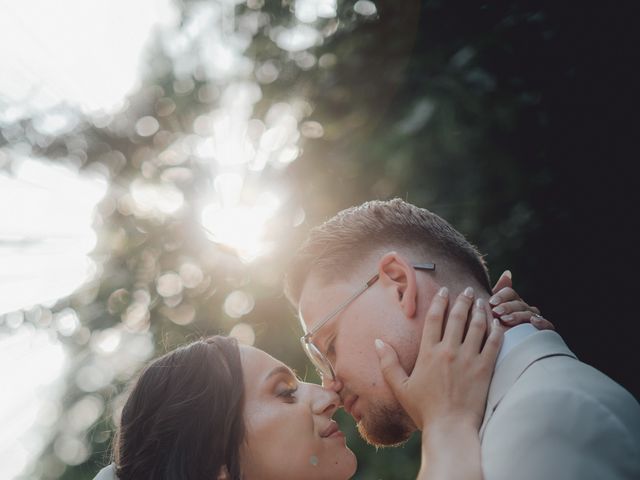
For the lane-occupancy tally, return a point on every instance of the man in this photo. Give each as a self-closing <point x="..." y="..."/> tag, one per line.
<point x="371" y="273"/>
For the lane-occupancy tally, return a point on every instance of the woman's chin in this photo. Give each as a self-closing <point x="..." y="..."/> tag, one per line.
<point x="353" y="464"/>
<point x="344" y="465"/>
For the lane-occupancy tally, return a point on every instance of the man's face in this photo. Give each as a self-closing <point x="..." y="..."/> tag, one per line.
<point x="348" y="342"/>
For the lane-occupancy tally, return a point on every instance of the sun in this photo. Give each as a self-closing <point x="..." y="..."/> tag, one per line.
<point x="241" y="226"/>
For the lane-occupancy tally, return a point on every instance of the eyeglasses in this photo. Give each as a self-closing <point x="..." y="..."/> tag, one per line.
<point x="318" y="359"/>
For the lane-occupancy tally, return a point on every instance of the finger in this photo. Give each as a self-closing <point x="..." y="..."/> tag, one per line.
<point x="506" y="294"/>
<point x="512" y="307"/>
<point x="432" y="330"/>
<point x="392" y="371"/>
<point x="516" y="318"/>
<point x="457" y="319"/>
<point x="492" y="346"/>
<point x="542" y="323"/>
<point x="477" y="327"/>
<point x="503" y="281"/>
<point x="535" y="310"/>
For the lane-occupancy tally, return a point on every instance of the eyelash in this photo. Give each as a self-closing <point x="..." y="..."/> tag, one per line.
<point x="289" y="393"/>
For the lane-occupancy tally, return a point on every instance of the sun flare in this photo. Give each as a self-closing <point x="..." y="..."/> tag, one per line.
<point x="241" y="227"/>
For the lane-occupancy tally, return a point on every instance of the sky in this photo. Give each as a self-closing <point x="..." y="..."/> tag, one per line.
<point x="59" y="60"/>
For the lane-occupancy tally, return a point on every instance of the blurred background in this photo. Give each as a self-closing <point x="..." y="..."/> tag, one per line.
<point x="160" y="160"/>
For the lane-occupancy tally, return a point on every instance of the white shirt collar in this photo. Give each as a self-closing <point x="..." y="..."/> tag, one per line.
<point x="513" y="337"/>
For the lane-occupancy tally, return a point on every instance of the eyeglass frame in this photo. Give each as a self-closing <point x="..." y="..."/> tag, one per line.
<point x="322" y="364"/>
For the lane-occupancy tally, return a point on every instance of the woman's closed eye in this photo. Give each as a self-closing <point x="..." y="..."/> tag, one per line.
<point x="287" y="392"/>
<point x="283" y="383"/>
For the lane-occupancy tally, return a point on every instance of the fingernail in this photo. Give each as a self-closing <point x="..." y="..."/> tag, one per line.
<point x="507" y="318"/>
<point x="508" y="273"/>
<point x="468" y="292"/>
<point x="495" y="323"/>
<point x="479" y="303"/>
<point x="443" y="292"/>
<point x="495" y="300"/>
<point x="379" y="345"/>
<point x="498" y="310"/>
<point x="535" y="318"/>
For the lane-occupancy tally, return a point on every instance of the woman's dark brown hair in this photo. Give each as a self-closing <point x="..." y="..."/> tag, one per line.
<point x="183" y="419"/>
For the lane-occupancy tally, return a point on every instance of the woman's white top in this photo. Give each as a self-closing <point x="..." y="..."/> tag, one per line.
<point x="107" y="473"/>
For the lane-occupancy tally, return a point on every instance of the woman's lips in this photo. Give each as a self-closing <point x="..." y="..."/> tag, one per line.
<point x="332" y="431"/>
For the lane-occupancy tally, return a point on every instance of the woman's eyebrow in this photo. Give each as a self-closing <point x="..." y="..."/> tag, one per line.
<point x="280" y="370"/>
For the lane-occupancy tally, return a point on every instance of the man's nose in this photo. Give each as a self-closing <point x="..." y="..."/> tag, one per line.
<point x="332" y="384"/>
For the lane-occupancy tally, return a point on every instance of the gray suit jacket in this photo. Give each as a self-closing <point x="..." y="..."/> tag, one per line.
<point x="551" y="417"/>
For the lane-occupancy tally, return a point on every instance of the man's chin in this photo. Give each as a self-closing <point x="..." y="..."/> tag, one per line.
<point x="385" y="427"/>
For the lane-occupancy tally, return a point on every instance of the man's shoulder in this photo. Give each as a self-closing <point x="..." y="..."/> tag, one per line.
<point x="543" y="367"/>
<point x="561" y="401"/>
<point x="562" y="418"/>
<point x="562" y="378"/>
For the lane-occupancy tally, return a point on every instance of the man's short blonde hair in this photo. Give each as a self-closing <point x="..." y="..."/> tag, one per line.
<point x="335" y="248"/>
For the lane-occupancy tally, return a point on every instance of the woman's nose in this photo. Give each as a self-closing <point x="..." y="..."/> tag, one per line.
<point x="324" y="401"/>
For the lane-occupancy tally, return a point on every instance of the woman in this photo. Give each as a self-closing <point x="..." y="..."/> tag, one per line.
<point x="218" y="410"/>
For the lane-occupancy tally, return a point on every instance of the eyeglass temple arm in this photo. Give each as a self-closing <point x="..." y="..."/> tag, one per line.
<point x="372" y="280"/>
<point x="340" y="307"/>
<point x="417" y="266"/>
<point x="425" y="266"/>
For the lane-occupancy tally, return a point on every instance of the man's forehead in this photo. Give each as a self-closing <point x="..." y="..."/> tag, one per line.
<point x="318" y="296"/>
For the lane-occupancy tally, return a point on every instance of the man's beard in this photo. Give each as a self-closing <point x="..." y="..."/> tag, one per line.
<point x="385" y="426"/>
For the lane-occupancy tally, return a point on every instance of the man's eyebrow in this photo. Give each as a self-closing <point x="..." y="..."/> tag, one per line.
<point x="281" y="370"/>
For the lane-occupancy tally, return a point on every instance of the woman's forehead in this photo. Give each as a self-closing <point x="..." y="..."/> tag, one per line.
<point x="256" y="363"/>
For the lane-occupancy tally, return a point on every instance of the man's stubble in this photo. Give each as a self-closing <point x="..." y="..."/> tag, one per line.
<point x="385" y="425"/>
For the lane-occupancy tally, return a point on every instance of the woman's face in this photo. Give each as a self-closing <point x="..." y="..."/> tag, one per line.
<point x="289" y="431"/>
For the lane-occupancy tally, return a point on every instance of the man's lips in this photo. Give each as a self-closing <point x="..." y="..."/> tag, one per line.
<point x="331" y="431"/>
<point x="348" y="406"/>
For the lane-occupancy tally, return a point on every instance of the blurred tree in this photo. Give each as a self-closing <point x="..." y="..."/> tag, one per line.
<point x="512" y="120"/>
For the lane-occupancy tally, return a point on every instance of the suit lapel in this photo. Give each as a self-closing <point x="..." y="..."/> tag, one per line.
<point x="539" y="345"/>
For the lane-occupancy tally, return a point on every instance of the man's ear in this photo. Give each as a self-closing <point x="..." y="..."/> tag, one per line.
<point x="400" y="276"/>
<point x="223" y="474"/>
